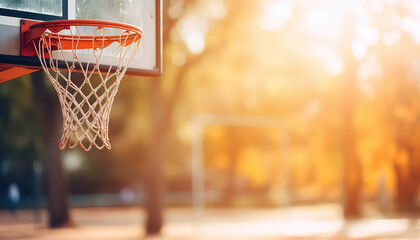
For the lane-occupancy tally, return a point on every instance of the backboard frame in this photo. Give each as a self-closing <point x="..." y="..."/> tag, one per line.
<point x="33" y="64"/>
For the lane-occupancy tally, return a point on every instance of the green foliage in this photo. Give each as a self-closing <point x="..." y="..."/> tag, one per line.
<point x="21" y="132"/>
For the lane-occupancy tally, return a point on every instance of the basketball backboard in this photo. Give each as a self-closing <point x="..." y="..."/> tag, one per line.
<point x="145" y="14"/>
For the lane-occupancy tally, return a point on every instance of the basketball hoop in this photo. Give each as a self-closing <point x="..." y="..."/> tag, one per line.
<point x="86" y="106"/>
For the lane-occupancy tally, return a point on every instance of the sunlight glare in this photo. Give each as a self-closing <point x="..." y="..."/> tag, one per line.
<point x="216" y="9"/>
<point x="323" y="23"/>
<point x="273" y="228"/>
<point x="366" y="36"/>
<point x="195" y="41"/>
<point x="369" y="228"/>
<point x="332" y="61"/>
<point x="392" y="38"/>
<point x="193" y="30"/>
<point x="411" y="26"/>
<point x="377" y="6"/>
<point x="276" y="14"/>
<point x="359" y="49"/>
<point x="369" y="69"/>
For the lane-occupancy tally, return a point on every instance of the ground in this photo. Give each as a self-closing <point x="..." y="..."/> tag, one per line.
<point x="303" y="222"/>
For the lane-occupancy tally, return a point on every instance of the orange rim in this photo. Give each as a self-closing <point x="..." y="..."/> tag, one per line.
<point x="37" y="29"/>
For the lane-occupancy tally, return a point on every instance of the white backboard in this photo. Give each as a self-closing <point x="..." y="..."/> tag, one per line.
<point x="145" y="14"/>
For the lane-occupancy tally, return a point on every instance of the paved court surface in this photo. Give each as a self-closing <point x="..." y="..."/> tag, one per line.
<point x="309" y="222"/>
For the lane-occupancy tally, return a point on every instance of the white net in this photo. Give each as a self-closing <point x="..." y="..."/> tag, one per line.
<point x="85" y="101"/>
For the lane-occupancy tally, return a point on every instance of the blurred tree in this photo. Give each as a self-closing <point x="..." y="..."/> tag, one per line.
<point x="352" y="167"/>
<point x="389" y="113"/>
<point x="24" y="124"/>
<point x="401" y="94"/>
<point x="20" y="134"/>
<point x="162" y="106"/>
<point x="166" y="91"/>
<point x="54" y="173"/>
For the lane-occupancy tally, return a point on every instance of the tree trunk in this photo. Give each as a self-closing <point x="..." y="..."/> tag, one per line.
<point x="154" y="189"/>
<point x="161" y="114"/>
<point x="55" y="176"/>
<point x="351" y="165"/>
<point x="407" y="184"/>
<point x="162" y="108"/>
<point x="155" y="182"/>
